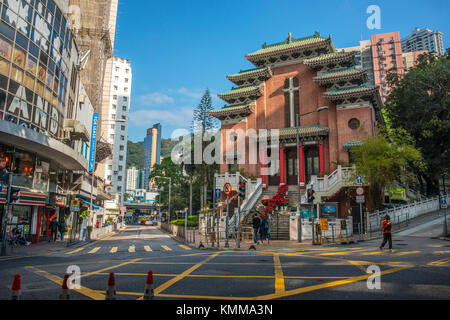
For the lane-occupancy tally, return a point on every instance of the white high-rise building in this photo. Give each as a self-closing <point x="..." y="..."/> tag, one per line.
<point x="424" y="39"/>
<point x="115" y="127"/>
<point x="132" y="179"/>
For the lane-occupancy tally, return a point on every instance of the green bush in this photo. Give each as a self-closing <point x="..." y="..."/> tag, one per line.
<point x="192" y="222"/>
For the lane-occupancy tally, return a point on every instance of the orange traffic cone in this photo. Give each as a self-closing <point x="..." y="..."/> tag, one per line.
<point x="65" y="293"/>
<point x="148" y="295"/>
<point x="15" y="289"/>
<point x="111" y="291"/>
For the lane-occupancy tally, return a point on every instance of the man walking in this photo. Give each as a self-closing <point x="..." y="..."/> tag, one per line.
<point x="387" y="235"/>
<point x="62" y="229"/>
<point x="54" y="229"/>
<point x="256" y="225"/>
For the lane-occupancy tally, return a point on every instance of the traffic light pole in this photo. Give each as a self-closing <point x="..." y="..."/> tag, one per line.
<point x="5" y="216"/>
<point x="238" y="238"/>
<point x="227" y="245"/>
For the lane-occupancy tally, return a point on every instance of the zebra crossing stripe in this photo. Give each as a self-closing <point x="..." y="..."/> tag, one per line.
<point x="148" y="249"/>
<point x="185" y="247"/>
<point x="75" y="251"/>
<point x="132" y="249"/>
<point x="166" y="248"/>
<point x="406" y="253"/>
<point x="114" y="249"/>
<point x="94" y="250"/>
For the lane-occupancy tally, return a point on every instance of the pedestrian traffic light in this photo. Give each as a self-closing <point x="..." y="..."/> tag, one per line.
<point x="311" y="196"/>
<point x="209" y="195"/>
<point x="242" y="187"/>
<point x="13" y="195"/>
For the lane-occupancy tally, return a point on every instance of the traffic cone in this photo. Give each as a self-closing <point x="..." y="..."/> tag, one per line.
<point x="111" y="290"/>
<point x="15" y="289"/>
<point x="148" y="295"/>
<point x="65" y="292"/>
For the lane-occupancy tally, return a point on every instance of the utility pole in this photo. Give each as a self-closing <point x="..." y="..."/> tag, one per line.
<point x="299" y="200"/>
<point x="227" y="245"/>
<point x="7" y="213"/>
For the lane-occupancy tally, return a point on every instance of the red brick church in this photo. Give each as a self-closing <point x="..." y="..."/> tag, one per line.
<point x="310" y="78"/>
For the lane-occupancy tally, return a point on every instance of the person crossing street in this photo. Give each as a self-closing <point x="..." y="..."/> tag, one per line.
<point x="387" y="232"/>
<point x="256" y="225"/>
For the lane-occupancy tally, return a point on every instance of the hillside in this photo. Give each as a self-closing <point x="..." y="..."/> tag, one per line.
<point x="135" y="152"/>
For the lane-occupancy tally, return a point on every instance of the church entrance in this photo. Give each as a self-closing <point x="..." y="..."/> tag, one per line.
<point x="292" y="166"/>
<point x="312" y="162"/>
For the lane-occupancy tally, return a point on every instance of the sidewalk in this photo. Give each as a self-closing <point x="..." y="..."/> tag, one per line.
<point x="42" y="248"/>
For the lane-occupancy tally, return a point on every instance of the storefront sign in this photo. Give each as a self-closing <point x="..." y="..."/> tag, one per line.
<point x="93" y="143"/>
<point x="75" y="205"/>
<point x="31" y="199"/>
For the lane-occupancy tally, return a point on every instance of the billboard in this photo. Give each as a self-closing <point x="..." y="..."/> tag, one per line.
<point x="93" y="143"/>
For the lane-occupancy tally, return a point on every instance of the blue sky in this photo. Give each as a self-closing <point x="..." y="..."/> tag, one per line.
<point x="180" y="48"/>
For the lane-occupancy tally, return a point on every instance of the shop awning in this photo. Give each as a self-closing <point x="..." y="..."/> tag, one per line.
<point x="89" y="204"/>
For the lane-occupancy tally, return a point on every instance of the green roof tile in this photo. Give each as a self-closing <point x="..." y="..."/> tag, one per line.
<point x="353" y="144"/>
<point x="335" y="56"/>
<point x="242" y="91"/>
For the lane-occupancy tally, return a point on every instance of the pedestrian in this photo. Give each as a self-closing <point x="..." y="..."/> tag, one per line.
<point x="54" y="230"/>
<point x="256" y="225"/>
<point x="263" y="228"/>
<point x="62" y="229"/>
<point x="387" y="235"/>
<point x="19" y="238"/>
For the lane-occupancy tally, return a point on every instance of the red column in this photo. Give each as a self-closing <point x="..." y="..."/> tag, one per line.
<point x="263" y="167"/>
<point x="302" y="166"/>
<point x="38" y="225"/>
<point x="282" y="167"/>
<point x="322" y="160"/>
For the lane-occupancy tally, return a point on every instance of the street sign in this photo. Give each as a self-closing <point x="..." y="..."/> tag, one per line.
<point x="75" y="205"/>
<point x="227" y="189"/>
<point x="360" y="199"/>
<point x="218" y="193"/>
<point x="443" y="202"/>
<point x="360" y="191"/>
<point x="359" y="180"/>
<point x="324" y="224"/>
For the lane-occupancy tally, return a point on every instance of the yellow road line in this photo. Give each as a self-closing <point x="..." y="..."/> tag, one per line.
<point x="83" y="290"/>
<point x="344" y="252"/>
<point x="439" y="262"/>
<point x="376" y="252"/>
<point x="75" y="251"/>
<point x="114" y="249"/>
<point x="109" y="268"/>
<point x="94" y="250"/>
<point x="279" y="277"/>
<point x="166" y="248"/>
<point x="132" y="249"/>
<point x="185" y="247"/>
<point x="358" y="265"/>
<point x="147" y="248"/>
<point x="406" y="253"/>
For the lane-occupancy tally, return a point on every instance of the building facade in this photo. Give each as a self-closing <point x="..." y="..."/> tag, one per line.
<point x="410" y="59"/>
<point x="152" y="152"/>
<point x="114" y="127"/>
<point x="306" y="77"/>
<point x="132" y="179"/>
<point x="424" y="39"/>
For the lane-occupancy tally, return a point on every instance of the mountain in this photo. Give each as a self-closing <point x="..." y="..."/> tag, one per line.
<point x="135" y="153"/>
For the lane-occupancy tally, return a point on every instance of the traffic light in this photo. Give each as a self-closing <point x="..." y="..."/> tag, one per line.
<point x="209" y="196"/>
<point x="13" y="195"/>
<point x="311" y="196"/>
<point x="242" y="187"/>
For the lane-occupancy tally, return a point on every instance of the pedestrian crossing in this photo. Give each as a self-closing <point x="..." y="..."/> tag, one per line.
<point x="130" y="249"/>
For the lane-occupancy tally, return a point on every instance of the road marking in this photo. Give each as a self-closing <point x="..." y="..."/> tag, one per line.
<point x="376" y="252"/>
<point x="109" y="268"/>
<point x="279" y="277"/>
<point x="439" y="262"/>
<point x="406" y="253"/>
<point x="344" y="252"/>
<point x="75" y="251"/>
<point x="132" y="248"/>
<point x="185" y="247"/>
<point x="83" y="290"/>
<point x="94" y="250"/>
<point x="148" y="249"/>
<point x="166" y="248"/>
<point x="358" y="265"/>
<point x="114" y="249"/>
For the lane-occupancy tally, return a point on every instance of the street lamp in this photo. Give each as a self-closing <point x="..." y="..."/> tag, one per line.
<point x="299" y="213"/>
<point x="170" y="190"/>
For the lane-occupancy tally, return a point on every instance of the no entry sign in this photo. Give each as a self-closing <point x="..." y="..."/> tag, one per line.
<point x="227" y="189"/>
<point x="360" y="191"/>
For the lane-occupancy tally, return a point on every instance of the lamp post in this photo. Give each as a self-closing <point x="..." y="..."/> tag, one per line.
<point x="170" y="191"/>
<point x="299" y="213"/>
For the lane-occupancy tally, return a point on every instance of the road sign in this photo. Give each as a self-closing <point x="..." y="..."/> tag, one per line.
<point x="360" y="199"/>
<point x="360" y="191"/>
<point x="75" y="205"/>
<point x="324" y="224"/>
<point x="227" y="189"/>
<point x="359" y="180"/>
<point x="443" y="202"/>
<point x="218" y="193"/>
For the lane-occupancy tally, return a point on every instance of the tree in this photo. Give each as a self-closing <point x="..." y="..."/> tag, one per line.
<point x="384" y="160"/>
<point x="419" y="103"/>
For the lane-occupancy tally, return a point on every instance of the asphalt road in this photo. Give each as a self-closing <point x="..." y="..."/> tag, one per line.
<point x="418" y="268"/>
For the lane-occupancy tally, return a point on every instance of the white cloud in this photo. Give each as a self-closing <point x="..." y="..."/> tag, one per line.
<point x="154" y="99"/>
<point x="180" y="117"/>
<point x="191" y="94"/>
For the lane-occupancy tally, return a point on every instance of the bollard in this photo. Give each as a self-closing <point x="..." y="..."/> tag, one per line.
<point x="15" y="289"/>
<point x="65" y="293"/>
<point x="148" y="295"/>
<point x="111" y="290"/>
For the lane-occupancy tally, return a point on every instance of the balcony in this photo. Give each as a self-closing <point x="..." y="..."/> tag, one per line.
<point x="75" y="130"/>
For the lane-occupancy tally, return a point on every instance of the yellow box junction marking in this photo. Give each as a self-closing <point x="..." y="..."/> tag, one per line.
<point x="185" y="247"/>
<point x="344" y="252"/>
<point x="438" y="262"/>
<point x="279" y="277"/>
<point x="114" y="249"/>
<point x="94" y="250"/>
<point x="132" y="249"/>
<point x="166" y="248"/>
<point x="75" y="251"/>
<point x="147" y="248"/>
<point x="406" y="253"/>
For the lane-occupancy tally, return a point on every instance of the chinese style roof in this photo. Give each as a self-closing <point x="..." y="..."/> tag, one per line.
<point x="291" y="44"/>
<point x="311" y="131"/>
<point x="341" y="74"/>
<point x="334" y="57"/>
<point x="242" y="95"/>
<point x="353" y="144"/>
<point x="351" y="92"/>
<point x="243" y="110"/>
<point x="257" y="75"/>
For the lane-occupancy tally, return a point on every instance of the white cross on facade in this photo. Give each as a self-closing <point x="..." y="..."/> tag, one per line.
<point x="291" y="91"/>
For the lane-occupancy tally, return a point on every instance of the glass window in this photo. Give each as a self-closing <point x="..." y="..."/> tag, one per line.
<point x="5" y="48"/>
<point x="29" y="81"/>
<point x="41" y="73"/>
<point x="31" y="65"/>
<point x="23" y="27"/>
<point x="49" y="79"/>
<point x="19" y="57"/>
<point x="17" y="74"/>
<point x="40" y="88"/>
<point x="6" y="30"/>
<point x="9" y="16"/>
<point x="4" y="67"/>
